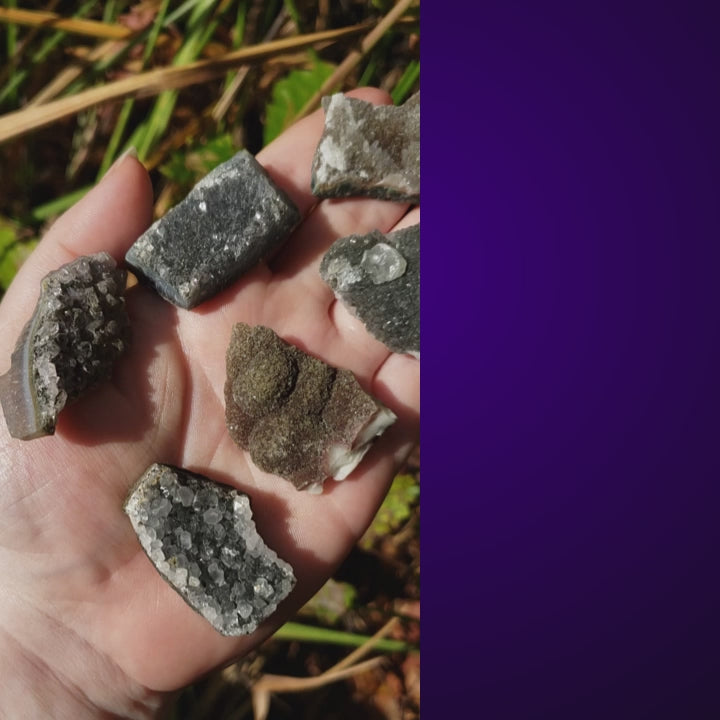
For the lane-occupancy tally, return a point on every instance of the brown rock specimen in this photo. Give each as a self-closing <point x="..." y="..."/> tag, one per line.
<point x="298" y="417"/>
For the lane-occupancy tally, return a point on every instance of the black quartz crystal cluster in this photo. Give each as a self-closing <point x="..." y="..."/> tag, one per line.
<point x="232" y="219"/>
<point x="201" y="537"/>
<point x="70" y="344"/>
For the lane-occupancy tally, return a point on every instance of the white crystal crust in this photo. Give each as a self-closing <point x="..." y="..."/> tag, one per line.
<point x="208" y="549"/>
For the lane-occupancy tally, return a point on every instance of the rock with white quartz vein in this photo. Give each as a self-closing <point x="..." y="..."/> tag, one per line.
<point x="79" y="328"/>
<point x="232" y="219"/>
<point x="202" y="539"/>
<point x="368" y="150"/>
<point x="298" y="417"/>
<point x="378" y="278"/>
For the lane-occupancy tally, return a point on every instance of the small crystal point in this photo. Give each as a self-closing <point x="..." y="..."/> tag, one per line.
<point x="385" y="289"/>
<point x="231" y="577"/>
<point x="298" y="417"/>
<point x="383" y="263"/>
<point x="79" y="328"/>
<point x="232" y="219"/>
<point x="368" y="150"/>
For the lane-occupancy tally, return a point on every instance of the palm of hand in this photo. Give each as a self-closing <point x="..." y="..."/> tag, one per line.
<point x="64" y="541"/>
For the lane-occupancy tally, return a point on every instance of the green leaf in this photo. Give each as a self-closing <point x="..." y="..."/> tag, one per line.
<point x="406" y="82"/>
<point x="395" y="510"/>
<point x="290" y="94"/>
<point x="188" y="166"/>
<point x="331" y="602"/>
<point x="13" y="251"/>
<point x="59" y="205"/>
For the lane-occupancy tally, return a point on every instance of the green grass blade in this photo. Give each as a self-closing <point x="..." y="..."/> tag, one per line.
<point x="102" y="65"/>
<point x="116" y="137"/>
<point x="368" y="72"/>
<point x="59" y="205"/>
<point x="200" y="32"/>
<point x="292" y="11"/>
<point x="46" y="47"/>
<point x="271" y="11"/>
<point x="406" y="82"/>
<point x="13" y="251"/>
<point x="11" y="36"/>
<point x="110" y="12"/>
<point x="307" y="633"/>
<point x="240" y="23"/>
<point x="9" y="91"/>
<point x="127" y="106"/>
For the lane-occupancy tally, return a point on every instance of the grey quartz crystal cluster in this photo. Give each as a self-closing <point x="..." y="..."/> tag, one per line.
<point x="202" y="539"/>
<point x="368" y="150"/>
<point x="378" y="278"/>
<point x="79" y="328"/>
<point x="232" y="219"/>
<point x="298" y="417"/>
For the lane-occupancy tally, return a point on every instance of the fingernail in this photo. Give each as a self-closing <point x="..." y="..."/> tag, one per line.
<point x="130" y="152"/>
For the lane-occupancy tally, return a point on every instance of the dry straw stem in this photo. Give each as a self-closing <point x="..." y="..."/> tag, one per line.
<point x="38" y="18"/>
<point x="353" y="58"/>
<point x="223" y="104"/>
<point x="72" y="73"/>
<point x="346" y="668"/>
<point x="156" y="81"/>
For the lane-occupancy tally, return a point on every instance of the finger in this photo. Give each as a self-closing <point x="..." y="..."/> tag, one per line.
<point x="288" y="158"/>
<point x="110" y="218"/>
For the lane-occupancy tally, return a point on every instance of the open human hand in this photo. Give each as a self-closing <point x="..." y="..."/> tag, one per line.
<point x="87" y="625"/>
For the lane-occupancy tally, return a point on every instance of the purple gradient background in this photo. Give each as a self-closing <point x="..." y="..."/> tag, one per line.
<point x="571" y="377"/>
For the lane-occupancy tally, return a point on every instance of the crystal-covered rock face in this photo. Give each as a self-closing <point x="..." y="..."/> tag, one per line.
<point x="369" y="150"/>
<point x="298" y="417"/>
<point x="233" y="218"/>
<point x="202" y="539"/>
<point x="79" y="328"/>
<point x="378" y="278"/>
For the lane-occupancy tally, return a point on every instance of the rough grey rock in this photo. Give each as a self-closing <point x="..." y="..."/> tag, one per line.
<point x="378" y="278"/>
<point x="369" y="150"/>
<point x="233" y="218"/>
<point x="202" y="539"/>
<point x="78" y="329"/>
<point x="298" y="417"/>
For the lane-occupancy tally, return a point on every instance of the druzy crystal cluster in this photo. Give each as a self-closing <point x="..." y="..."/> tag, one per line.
<point x="378" y="278"/>
<point x="368" y="150"/>
<point x="201" y="537"/>
<point x="79" y="328"/>
<point x="233" y="218"/>
<point x="298" y="417"/>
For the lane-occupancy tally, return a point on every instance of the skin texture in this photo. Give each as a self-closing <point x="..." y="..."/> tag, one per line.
<point x="87" y="626"/>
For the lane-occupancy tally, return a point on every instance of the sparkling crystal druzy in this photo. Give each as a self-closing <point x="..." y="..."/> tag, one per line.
<point x="378" y="278"/>
<point x="233" y="218"/>
<point x="78" y="329"/>
<point x="368" y="150"/>
<point x="298" y="417"/>
<point x="202" y="539"/>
